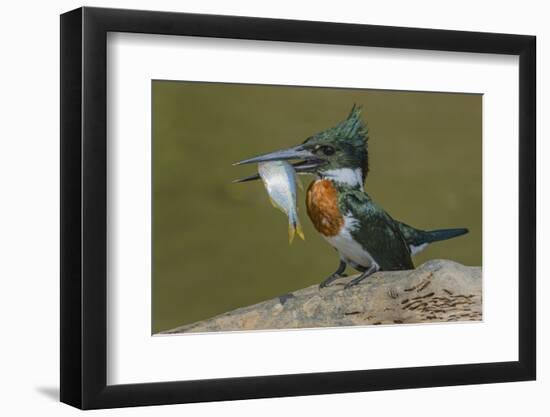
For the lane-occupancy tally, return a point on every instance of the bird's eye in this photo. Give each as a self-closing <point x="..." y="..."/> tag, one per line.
<point x="327" y="150"/>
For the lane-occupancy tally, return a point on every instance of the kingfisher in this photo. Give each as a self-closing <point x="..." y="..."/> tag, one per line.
<point x="365" y="236"/>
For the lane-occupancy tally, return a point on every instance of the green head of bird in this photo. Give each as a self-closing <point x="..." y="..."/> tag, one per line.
<point x="339" y="153"/>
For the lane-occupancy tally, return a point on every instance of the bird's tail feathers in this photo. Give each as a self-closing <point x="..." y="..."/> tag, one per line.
<point x="444" y="234"/>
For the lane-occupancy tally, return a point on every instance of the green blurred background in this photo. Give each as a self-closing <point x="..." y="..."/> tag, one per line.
<point x="218" y="246"/>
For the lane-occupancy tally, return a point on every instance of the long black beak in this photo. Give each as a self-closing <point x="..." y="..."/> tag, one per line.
<point x="307" y="161"/>
<point x="297" y="152"/>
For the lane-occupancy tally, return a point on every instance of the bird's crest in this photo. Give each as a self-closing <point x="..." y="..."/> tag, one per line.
<point x="350" y="136"/>
<point x="353" y="129"/>
<point x="354" y="132"/>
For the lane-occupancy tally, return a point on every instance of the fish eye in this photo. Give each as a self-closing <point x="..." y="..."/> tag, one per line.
<point x="327" y="150"/>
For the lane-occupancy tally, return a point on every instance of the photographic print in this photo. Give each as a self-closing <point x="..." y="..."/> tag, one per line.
<point x="324" y="187"/>
<point x="287" y="207"/>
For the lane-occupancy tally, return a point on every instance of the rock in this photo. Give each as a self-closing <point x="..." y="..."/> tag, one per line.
<point x="437" y="291"/>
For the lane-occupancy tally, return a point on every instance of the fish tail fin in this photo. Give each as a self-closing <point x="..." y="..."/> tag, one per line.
<point x="294" y="228"/>
<point x="291" y="231"/>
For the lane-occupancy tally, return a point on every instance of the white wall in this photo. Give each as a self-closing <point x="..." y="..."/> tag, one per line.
<point x="29" y="176"/>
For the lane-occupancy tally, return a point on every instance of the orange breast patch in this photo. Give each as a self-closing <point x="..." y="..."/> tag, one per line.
<point x="322" y="207"/>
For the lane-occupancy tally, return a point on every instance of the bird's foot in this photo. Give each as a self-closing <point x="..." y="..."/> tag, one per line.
<point x="330" y="279"/>
<point x="339" y="273"/>
<point x="361" y="277"/>
<point x="354" y="282"/>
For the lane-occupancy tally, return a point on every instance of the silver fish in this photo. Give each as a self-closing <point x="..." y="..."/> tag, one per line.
<point x="279" y="178"/>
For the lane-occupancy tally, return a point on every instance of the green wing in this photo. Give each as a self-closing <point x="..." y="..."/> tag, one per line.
<point x="377" y="232"/>
<point x="412" y="236"/>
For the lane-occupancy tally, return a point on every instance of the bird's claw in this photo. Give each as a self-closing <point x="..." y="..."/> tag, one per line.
<point x="339" y="273"/>
<point x="324" y="285"/>
<point x="353" y="283"/>
<point x="362" y="277"/>
<point x="330" y="280"/>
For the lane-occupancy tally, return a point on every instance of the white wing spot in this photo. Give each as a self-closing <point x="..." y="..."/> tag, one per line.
<point x="417" y="249"/>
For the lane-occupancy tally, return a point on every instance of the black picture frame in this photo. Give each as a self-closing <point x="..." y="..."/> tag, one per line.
<point x="84" y="207"/>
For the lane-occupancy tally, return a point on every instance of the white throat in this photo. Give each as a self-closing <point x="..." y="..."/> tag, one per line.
<point x="348" y="176"/>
